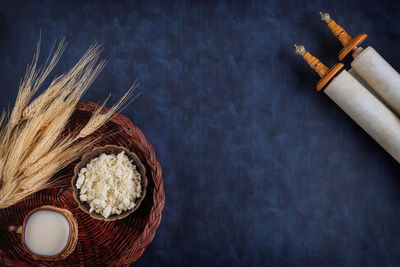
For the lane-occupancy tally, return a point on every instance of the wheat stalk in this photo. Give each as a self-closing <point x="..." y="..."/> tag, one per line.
<point x="33" y="80"/>
<point x="32" y="147"/>
<point x="98" y="118"/>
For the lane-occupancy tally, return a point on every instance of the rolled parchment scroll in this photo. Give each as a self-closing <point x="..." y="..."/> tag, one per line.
<point x="359" y="103"/>
<point x="368" y="64"/>
<point x="378" y="73"/>
<point x="362" y="81"/>
<point x="367" y="111"/>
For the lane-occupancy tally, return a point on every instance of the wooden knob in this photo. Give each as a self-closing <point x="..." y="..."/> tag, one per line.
<point x="323" y="71"/>
<point x="350" y="44"/>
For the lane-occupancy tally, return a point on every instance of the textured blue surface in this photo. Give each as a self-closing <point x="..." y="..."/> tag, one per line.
<point x="259" y="168"/>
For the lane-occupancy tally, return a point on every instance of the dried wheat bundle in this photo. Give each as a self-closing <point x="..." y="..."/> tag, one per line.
<point x="32" y="146"/>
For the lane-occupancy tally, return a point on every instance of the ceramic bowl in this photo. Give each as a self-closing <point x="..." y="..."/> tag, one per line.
<point x="110" y="149"/>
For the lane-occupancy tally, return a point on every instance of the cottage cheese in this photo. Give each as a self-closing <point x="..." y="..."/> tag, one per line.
<point x="110" y="184"/>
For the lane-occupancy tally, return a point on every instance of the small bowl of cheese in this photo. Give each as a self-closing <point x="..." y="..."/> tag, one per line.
<point x="109" y="183"/>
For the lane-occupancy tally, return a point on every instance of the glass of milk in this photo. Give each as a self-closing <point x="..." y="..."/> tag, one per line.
<point x="48" y="233"/>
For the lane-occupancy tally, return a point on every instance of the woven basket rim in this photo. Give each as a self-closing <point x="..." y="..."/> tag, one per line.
<point x="95" y="153"/>
<point x="135" y="248"/>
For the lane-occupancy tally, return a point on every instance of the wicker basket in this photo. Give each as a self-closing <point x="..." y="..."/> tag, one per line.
<point x="110" y="149"/>
<point x="127" y="239"/>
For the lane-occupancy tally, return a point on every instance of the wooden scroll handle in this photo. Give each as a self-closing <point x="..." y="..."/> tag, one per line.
<point x="349" y="43"/>
<point x="325" y="73"/>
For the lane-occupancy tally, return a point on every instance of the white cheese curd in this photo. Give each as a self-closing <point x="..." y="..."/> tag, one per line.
<point x="110" y="184"/>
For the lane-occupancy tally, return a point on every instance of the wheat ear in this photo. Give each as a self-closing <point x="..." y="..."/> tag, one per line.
<point x="33" y="144"/>
<point x="98" y="118"/>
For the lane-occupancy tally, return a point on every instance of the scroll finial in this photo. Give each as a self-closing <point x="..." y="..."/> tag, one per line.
<point x="300" y="50"/>
<point x="323" y="71"/>
<point x="325" y="17"/>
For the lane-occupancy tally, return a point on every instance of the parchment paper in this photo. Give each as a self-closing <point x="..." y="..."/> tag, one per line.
<point x="378" y="73"/>
<point x="367" y="111"/>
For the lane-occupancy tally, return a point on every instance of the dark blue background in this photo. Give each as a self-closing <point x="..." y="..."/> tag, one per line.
<point x="259" y="168"/>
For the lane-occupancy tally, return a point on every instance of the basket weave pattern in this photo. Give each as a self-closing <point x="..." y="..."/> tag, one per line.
<point x="115" y="243"/>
